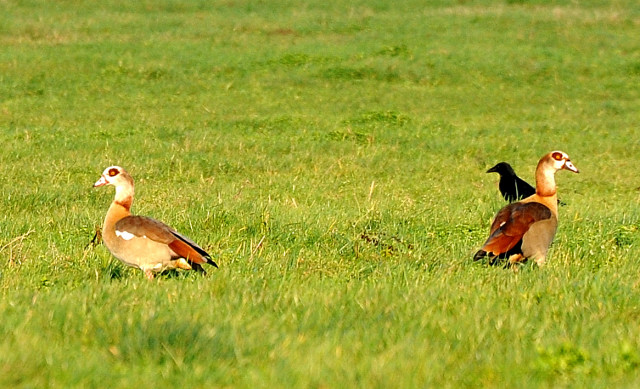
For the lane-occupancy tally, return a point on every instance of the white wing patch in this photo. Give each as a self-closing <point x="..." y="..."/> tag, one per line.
<point x="501" y="224"/>
<point x="126" y="235"/>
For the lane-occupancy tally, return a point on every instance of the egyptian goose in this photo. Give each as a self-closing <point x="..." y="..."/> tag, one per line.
<point x="511" y="186"/>
<point x="525" y="229"/>
<point x="140" y="241"/>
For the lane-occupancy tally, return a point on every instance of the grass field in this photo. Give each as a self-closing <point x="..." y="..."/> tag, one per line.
<point x="331" y="157"/>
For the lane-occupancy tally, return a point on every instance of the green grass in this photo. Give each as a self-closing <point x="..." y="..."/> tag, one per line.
<point x="331" y="158"/>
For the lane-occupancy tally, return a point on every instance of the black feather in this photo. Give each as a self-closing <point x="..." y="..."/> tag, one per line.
<point x="511" y="186"/>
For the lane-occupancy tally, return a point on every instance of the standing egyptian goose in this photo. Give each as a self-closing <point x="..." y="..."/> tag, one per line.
<point x="140" y="241"/>
<point x="511" y="186"/>
<point x="525" y="229"/>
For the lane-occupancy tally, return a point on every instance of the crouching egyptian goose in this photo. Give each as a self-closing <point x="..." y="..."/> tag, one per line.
<point x="140" y="241"/>
<point x="511" y="186"/>
<point x="525" y="229"/>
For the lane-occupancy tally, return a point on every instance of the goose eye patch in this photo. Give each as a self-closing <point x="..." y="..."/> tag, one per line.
<point x="557" y="156"/>
<point x="113" y="172"/>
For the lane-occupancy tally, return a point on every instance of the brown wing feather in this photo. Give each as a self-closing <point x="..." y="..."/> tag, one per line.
<point x="195" y="247"/>
<point x="502" y="217"/>
<point x="511" y="223"/>
<point x="145" y="226"/>
<point x="158" y="231"/>
<point x="187" y="252"/>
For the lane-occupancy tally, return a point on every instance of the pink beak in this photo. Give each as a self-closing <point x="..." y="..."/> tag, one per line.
<point x="101" y="182"/>
<point x="569" y="166"/>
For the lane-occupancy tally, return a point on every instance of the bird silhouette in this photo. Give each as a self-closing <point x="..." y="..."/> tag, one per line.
<point x="511" y="186"/>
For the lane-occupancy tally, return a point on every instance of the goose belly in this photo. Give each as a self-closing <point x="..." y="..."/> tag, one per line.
<point x="143" y="253"/>
<point x="536" y="241"/>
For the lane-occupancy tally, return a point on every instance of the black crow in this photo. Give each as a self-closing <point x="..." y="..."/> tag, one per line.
<point x="511" y="186"/>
